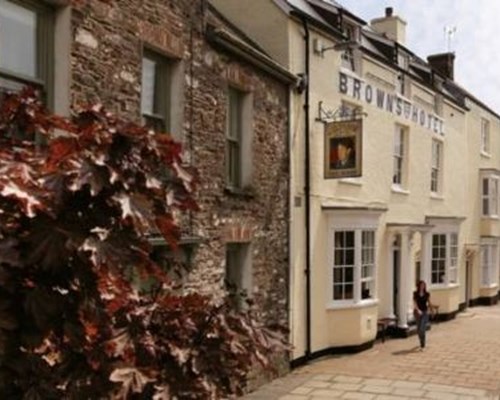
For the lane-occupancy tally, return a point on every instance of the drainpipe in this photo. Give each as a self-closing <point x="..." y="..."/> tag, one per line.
<point x="307" y="192"/>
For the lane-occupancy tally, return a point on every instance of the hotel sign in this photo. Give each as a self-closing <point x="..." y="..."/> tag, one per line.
<point x="390" y="102"/>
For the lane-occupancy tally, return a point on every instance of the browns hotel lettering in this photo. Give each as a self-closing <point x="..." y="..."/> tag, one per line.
<point x="392" y="103"/>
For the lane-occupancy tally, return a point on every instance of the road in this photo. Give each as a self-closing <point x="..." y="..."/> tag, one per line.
<point x="461" y="361"/>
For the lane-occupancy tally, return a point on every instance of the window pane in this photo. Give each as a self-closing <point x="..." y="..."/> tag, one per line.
<point x="17" y="39"/>
<point x="485" y="186"/>
<point x="338" y="275"/>
<point x="494" y="197"/>
<point x="339" y="239"/>
<point x="486" y="206"/>
<point x="349" y="257"/>
<point x="233" y="134"/>
<point x="349" y="238"/>
<point x="367" y="290"/>
<point x="234" y="114"/>
<point x="436" y="240"/>
<point x="349" y="275"/>
<point x="148" y="86"/>
<point x="339" y="257"/>
<point x="337" y="292"/>
<point x="349" y="292"/>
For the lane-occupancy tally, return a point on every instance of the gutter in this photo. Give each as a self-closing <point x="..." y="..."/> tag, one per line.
<point x="307" y="190"/>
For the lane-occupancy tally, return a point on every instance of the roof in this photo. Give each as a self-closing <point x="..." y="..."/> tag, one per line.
<point x="222" y="33"/>
<point x="327" y="15"/>
<point x="233" y="44"/>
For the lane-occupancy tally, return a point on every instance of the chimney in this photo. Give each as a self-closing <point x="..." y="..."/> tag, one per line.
<point x="391" y="26"/>
<point x="443" y="63"/>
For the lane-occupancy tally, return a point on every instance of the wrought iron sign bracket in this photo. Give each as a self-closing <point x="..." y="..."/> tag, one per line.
<point x="340" y="114"/>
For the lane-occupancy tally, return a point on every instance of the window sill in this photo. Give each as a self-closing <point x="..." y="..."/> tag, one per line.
<point x="352" y="305"/>
<point x="492" y="286"/>
<point x="351" y="181"/>
<point x="399" y="190"/>
<point x="443" y="286"/>
<point x="403" y="97"/>
<point x="494" y="217"/>
<point x="247" y="193"/>
<point x="351" y="73"/>
<point x="436" y="196"/>
<point x="485" y="154"/>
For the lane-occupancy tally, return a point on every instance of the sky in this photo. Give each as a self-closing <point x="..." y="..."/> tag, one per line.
<point x="476" y="42"/>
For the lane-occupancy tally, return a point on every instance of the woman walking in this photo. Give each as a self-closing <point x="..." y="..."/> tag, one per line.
<point x="421" y="307"/>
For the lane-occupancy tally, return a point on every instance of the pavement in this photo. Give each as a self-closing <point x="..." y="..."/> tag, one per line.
<point x="461" y="361"/>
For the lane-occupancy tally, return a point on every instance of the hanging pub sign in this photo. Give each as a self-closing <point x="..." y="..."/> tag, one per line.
<point x="343" y="149"/>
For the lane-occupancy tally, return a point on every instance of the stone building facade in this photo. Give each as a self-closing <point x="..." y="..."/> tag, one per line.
<point x="181" y="67"/>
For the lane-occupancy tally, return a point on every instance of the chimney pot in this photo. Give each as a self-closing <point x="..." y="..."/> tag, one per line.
<point x="443" y="63"/>
<point x="391" y="26"/>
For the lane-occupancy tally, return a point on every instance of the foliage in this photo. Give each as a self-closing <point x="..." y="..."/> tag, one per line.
<point x="74" y="218"/>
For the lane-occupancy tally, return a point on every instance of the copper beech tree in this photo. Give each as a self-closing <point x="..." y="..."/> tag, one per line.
<point x="75" y="213"/>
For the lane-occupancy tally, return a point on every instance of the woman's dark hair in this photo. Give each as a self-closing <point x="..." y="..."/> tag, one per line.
<point x="421" y="282"/>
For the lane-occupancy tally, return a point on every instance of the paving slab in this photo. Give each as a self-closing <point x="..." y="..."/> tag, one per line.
<point x="461" y="362"/>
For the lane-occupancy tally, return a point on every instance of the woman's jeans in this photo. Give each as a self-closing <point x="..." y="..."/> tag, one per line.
<point x="422" y="321"/>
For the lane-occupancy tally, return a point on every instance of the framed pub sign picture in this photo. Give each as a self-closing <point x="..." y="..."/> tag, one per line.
<point x="343" y="149"/>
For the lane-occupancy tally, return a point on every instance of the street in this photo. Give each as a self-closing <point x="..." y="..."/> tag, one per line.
<point x="462" y="361"/>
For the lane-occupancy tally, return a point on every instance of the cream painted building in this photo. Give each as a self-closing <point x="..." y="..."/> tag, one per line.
<point x="425" y="203"/>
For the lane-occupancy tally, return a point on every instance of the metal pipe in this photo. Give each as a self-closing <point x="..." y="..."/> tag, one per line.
<point x="307" y="190"/>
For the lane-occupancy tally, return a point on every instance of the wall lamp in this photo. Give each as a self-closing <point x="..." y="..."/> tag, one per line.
<point x="342" y="46"/>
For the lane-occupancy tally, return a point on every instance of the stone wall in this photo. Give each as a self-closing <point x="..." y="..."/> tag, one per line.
<point x="106" y="55"/>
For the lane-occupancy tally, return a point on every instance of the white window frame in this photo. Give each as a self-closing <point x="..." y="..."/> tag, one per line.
<point x="357" y="266"/>
<point x="351" y="31"/>
<point x="351" y="58"/>
<point x="453" y="259"/>
<point x="400" y="158"/>
<point x="348" y="60"/>
<point x="489" y="262"/>
<point x="402" y="84"/>
<point x="345" y="267"/>
<point x="447" y="253"/>
<point x="368" y="262"/>
<point x="485" y="137"/>
<point x="489" y="197"/>
<point x="436" y="182"/>
<point x="404" y="60"/>
<point x="358" y="222"/>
